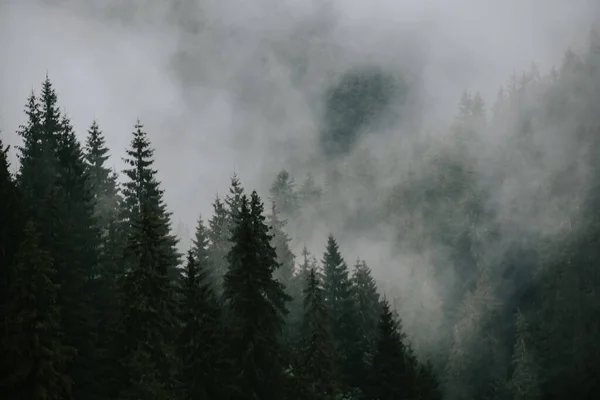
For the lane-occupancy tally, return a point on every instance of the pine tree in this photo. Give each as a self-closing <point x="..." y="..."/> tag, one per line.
<point x="34" y="344"/>
<point x="283" y="195"/>
<point x="257" y="305"/>
<point x="296" y="291"/>
<point x="315" y="358"/>
<point x="105" y="197"/>
<point x="102" y="180"/>
<point x="75" y="250"/>
<point x="233" y="199"/>
<point x="368" y="310"/>
<point x="340" y="305"/>
<point x="388" y="377"/>
<point x="148" y="308"/>
<point x="11" y="225"/>
<point x="37" y="165"/>
<point x="200" y="248"/>
<point x="285" y="257"/>
<point x="219" y="235"/>
<point x="200" y="339"/>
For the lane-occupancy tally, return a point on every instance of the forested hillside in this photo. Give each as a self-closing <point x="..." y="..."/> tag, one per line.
<point x="98" y="303"/>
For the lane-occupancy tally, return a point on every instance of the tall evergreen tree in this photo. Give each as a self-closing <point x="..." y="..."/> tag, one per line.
<point x="389" y="371"/>
<point x="105" y="197"/>
<point x="368" y="310"/>
<point x="147" y="299"/>
<point x="75" y="250"/>
<point x="315" y="358"/>
<point x="34" y="342"/>
<point x="280" y="241"/>
<point x="11" y="226"/>
<point x="37" y="165"/>
<point x="102" y="180"/>
<point x="219" y="235"/>
<point x="200" y="339"/>
<point x="257" y="305"/>
<point x="283" y="194"/>
<point x="340" y="304"/>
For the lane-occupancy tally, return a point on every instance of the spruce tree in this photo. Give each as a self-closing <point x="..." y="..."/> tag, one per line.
<point x="339" y="301"/>
<point x="34" y="344"/>
<point x="256" y="305"/>
<point x="102" y="180"/>
<point x="11" y="226"/>
<point x="389" y="372"/>
<point x="283" y="194"/>
<point x="148" y="309"/>
<point x="368" y="312"/>
<point x="103" y="189"/>
<point x="37" y="165"/>
<point x="280" y="241"/>
<point x="219" y="235"/>
<point x="200" y="339"/>
<point x="75" y="250"/>
<point x="315" y="354"/>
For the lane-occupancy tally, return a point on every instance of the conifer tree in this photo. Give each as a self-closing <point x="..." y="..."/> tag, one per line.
<point x="75" y="250"/>
<point x="34" y="343"/>
<point x="296" y="291"/>
<point x="219" y="235"/>
<point x="256" y="305"/>
<point x="339" y="301"/>
<point x="148" y="309"/>
<point x="200" y="339"/>
<point x="37" y="165"/>
<point x="283" y="194"/>
<point x="285" y="257"/>
<point x="105" y="197"/>
<point x="102" y="180"/>
<point x="368" y="310"/>
<point x="200" y="248"/>
<point x="233" y="199"/>
<point x="315" y="358"/>
<point x="389" y="372"/>
<point x="11" y="226"/>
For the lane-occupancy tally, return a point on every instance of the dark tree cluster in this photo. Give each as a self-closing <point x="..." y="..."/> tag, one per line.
<point x="97" y="302"/>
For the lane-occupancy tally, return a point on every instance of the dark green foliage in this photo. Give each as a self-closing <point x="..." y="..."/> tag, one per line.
<point x="368" y="310"/>
<point x="256" y="304"/>
<point x="219" y="235"/>
<point x="11" y="225"/>
<point x="103" y="189"/>
<point x="200" y="341"/>
<point x="148" y="313"/>
<point x="34" y="345"/>
<point x="390" y="377"/>
<point x="280" y="241"/>
<point x="315" y="353"/>
<point x="341" y="307"/>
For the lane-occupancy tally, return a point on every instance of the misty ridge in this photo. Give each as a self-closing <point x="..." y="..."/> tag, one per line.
<point x="424" y="224"/>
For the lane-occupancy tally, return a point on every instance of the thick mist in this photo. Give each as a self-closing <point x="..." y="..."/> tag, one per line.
<point x="239" y="86"/>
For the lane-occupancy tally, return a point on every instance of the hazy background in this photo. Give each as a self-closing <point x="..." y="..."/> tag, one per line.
<point x="224" y="86"/>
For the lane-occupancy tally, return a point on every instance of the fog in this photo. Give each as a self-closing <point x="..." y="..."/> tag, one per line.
<point x="217" y="86"/>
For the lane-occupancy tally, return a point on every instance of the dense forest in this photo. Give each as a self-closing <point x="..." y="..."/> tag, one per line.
<point x="97" y="302"/>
